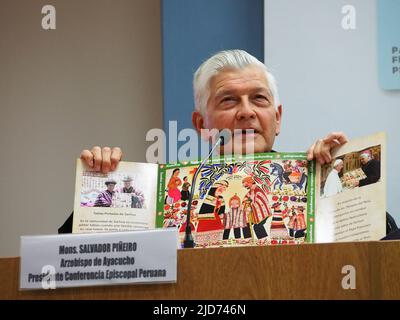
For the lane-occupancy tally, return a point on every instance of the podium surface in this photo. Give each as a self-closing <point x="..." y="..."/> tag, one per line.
<point x="308" y="271"/>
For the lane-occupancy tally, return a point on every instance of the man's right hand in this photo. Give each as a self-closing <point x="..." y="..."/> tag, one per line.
<point x="102" y="159"/>
<point x="321" y="149"/>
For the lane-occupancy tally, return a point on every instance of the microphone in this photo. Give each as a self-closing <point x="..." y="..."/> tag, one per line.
<point x="223" y="138"/>
<point x="224" y="135"/>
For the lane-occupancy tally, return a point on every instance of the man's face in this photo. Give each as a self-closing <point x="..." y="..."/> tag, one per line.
<point x="241" y="99"/>
<point x="127" y="184"/>
<point x="364" y="160"/>
<point x="110" y="187"/>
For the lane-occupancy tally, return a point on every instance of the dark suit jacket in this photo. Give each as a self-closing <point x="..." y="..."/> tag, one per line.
<point x="373" y="172"/>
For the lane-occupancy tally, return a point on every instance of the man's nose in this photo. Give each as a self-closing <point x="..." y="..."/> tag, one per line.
<point x="245" y="109"/>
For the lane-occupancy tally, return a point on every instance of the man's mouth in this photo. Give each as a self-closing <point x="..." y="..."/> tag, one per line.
<point x="247" y="136"/>
<point x="247" y="132"/>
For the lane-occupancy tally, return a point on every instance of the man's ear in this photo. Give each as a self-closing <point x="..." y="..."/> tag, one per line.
<point x="198" y="124"/>
<point x="278" y="120"/>
<point x="197" y="121"/>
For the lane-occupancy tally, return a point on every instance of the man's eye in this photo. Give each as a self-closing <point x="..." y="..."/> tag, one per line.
<point x="227" y="99"/>
<point x="261" y="97"/>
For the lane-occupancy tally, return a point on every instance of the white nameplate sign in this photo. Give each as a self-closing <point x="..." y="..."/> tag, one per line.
<point x="77" y="260"/>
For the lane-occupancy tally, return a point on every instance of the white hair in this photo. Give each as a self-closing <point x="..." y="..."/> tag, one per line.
<point x="237" y="59"/>
<point x="366" y="155"/>
<point x="337" y="162"/>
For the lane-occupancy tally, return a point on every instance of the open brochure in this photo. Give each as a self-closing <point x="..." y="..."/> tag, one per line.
<point x="351" y="192"/>
<point x="261" y="199"/>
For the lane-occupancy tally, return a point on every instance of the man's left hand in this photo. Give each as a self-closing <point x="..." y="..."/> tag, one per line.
<point x="321" y="149"/>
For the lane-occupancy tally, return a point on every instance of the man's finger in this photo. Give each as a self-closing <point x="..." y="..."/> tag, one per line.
<point x="310" y="152"/>
<point x="340" y="137"/>
<point x="96" y="151"/>
<point x="320" y="159"/>
<point x="116" y="156"/>
<point x="106" y="159"/>
<point x="87" y="158"/>
<point x="317" y="150"/>
<point x="326" y="154"/>
<point x="322" y="152"/>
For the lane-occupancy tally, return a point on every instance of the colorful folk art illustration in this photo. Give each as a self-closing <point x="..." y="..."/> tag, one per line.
<point x="261" y="201"/>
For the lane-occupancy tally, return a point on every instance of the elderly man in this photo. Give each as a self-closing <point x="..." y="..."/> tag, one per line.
<point x="333" y="185"/>
<point x="232" y="90"/>
<point x="371" y="168"/>
<point x="137" y="196"/>
<point x="104" y="198"/>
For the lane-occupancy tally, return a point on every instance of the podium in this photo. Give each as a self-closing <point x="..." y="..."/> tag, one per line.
<point x="308" y="271"/>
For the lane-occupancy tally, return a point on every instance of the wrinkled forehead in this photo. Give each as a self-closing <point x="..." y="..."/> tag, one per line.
<point x="250" y="77"/>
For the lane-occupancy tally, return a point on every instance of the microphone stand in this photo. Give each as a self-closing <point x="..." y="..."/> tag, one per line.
<point x="188" y="241"/>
